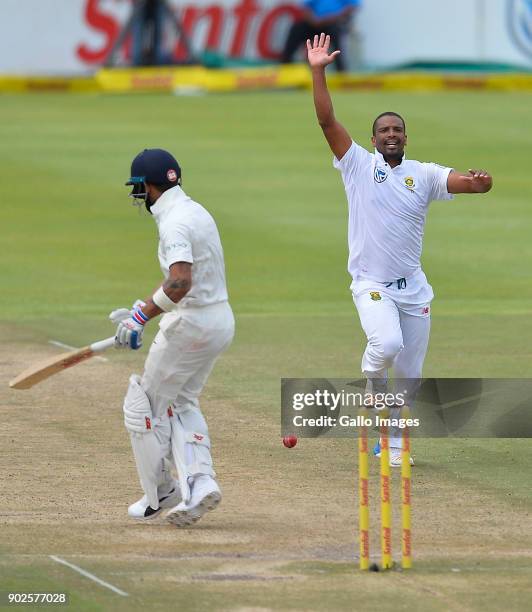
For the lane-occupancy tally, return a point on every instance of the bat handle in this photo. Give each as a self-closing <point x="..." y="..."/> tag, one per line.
<point x="102" y="345"/>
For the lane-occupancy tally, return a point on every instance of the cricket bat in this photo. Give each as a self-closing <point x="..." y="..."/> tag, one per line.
<point x="48" y="367"/>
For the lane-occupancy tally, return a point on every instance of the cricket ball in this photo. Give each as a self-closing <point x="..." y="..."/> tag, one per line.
<point x="290" y="441"/>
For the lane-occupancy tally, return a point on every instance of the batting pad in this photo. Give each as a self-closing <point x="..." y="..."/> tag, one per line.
<point x="178" y="441"/>
<point x="190" y="447"/>
<point x="198" y="453"/>
<point x="146" y="447"/>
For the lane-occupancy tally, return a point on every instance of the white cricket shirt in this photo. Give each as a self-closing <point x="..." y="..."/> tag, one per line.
<point x="187" y="232"/>
<point x="387" y="212"/>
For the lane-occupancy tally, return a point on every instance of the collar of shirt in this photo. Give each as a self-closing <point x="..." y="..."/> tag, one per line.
<point x="380" y="161"/>
<point x="166" y="201"/>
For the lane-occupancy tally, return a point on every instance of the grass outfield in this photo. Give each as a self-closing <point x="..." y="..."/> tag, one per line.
<point x="73" y="249"/>
<point x="260" y="164"/>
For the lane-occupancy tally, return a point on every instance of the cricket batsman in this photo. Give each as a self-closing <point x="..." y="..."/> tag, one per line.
<point x="161" y="407"/>
<point x="388" y="197"/>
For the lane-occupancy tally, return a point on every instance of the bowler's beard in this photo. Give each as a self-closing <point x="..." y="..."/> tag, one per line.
<point x="397" y="156"/>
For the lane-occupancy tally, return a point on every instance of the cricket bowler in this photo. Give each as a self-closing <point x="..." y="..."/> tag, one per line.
<point x="161" y="407"/>
<point x="388" y="197"/>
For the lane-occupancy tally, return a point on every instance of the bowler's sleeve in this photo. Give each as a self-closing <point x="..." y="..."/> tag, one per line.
<point x="437" y="182"/>
<point x="176" y="245"/>
<point x="351" y="162"/>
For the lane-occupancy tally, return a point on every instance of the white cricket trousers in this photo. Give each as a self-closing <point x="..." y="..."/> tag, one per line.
<point x="395" y="317"/>
<point x="180" y="360"/>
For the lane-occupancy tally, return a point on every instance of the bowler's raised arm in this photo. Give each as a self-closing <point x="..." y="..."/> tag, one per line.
<point x="318" y="58"/>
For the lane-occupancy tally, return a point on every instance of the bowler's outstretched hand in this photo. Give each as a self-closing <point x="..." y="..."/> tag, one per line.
<point x="480" y="181"/>
<point x="318" y="51"/>
<point x="476" y="181"/>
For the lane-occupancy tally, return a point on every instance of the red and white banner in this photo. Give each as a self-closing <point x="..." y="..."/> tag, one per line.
<point x="76" y="36"/>
<point x="62" y="37"/>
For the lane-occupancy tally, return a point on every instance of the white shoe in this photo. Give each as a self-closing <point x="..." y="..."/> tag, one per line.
<point x="396" y="458"/>
<point x="206" y="495"/>
<point x="142" y="511"/>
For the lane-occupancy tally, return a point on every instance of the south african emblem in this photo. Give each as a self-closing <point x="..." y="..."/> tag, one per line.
<point x="380" y="175"/>
<point x="375" y="296"/>
<point x="409" y="182"/>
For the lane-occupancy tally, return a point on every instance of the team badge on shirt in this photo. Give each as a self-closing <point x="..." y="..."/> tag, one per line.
<point x="410" y="183"/>
<point x="375" y="296"/>
<point x="380" y="175"/>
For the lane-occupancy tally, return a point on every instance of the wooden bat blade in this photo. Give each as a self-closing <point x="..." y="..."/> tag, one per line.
<point x="48" y="367"/>
<point x="52" y="365"/>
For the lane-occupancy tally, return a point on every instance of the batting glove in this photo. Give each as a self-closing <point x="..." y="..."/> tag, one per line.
<point x="121" y="314"/>
<point x="129" y="331"/>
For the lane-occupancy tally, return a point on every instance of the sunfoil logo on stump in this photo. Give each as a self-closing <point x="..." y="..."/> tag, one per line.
<point x="520" y="24"/>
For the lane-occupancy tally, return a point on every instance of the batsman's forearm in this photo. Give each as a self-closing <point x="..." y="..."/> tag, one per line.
<point x="175" y="290"/>
<point x="151" y="310"/>
<point x="322" y="98"/>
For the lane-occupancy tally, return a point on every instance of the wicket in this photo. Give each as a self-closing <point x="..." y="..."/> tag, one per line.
<point x="363" y="497"/>
<point x="406" y="488"/>
<point x="385" y="498"/>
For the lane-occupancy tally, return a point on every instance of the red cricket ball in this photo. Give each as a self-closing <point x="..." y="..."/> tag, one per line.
<point x="290" y="441"/>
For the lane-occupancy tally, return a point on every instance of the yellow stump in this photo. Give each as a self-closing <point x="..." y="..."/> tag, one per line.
<point x="406" y="484"/>
<point x="386" y="506"/>
<point x="363" y="498"/>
